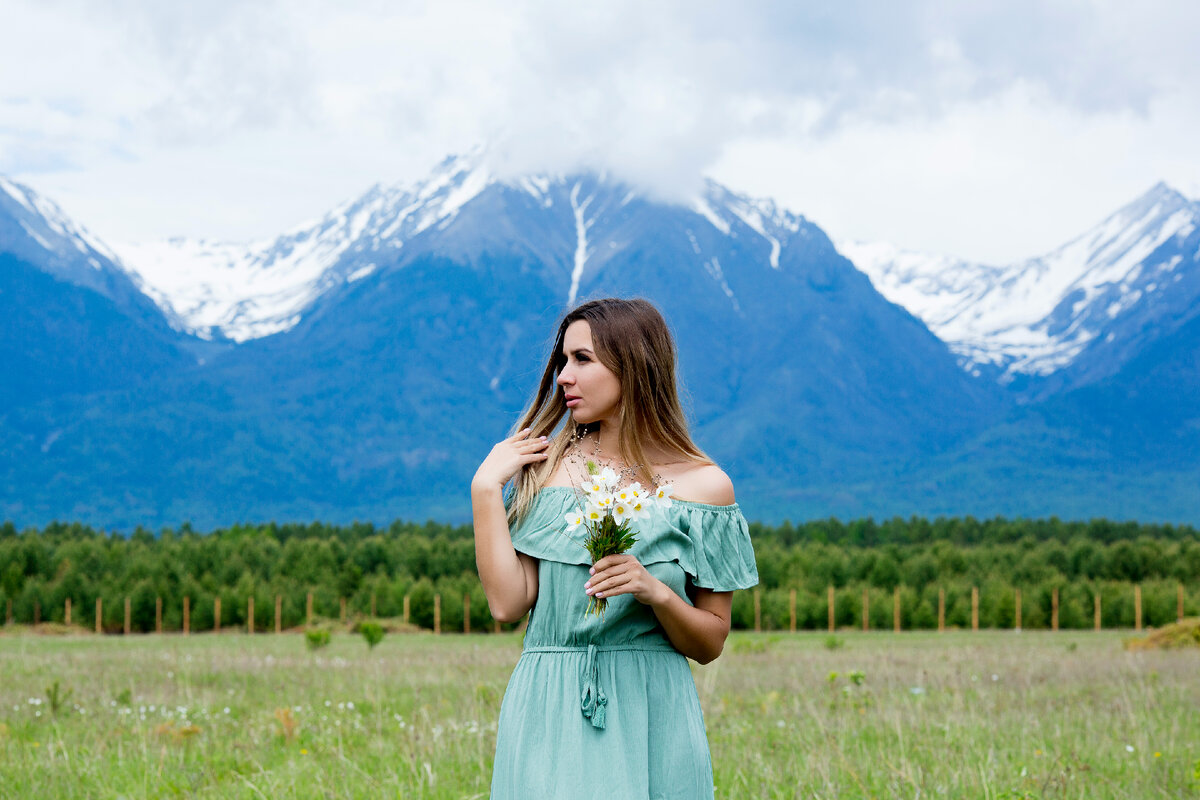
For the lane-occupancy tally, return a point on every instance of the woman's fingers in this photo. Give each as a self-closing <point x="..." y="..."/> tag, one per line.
<point x="611" y="561"/>
<point x="609" y="585"/>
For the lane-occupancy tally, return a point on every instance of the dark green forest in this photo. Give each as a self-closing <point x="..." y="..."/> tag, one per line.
<point x="364" y="564"/>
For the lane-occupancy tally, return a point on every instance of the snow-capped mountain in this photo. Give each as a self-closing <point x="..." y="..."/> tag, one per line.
<point x="35" y="230"/>
<point x="1037" y="316"/>
<point x="245" y="291"/>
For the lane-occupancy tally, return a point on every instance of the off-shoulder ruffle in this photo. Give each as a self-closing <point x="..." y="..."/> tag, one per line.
<point x="711" y="543"/>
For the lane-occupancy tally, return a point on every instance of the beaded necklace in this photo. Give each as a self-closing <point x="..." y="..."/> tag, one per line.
<point x="575" y="457"/>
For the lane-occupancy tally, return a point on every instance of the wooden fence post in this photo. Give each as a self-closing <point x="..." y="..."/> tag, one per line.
<point x="757" y="611"/>
<point x="405" y="609"/>
<point x="308" y="610"/>
<point x="37" y="612"/>
<point x="1137" y="606"/>
<point x="158" y="615"/>
<point x="975" y="609"/>
<point x="8" y="612"/>
<point x="866" y="612"/>
<point x="1179" y="603"/>
<point x="342" y="609"/>
<point x="187" y="615"/>
<point x="831" y="617"/>
<point x="67" y="612"/>
<point x="495" y="626"/>
<point x="127" y="616"/>
<point x="792" y="611"/>
<point x="279" y="613"/>
<point x="1054" y="609"/>
<point x="941" y="609"/>
<point x="99" y="615"/>
<point x="1018" y="613"/>
<point x="216" y="615"/>
<point x="437" y="613"/>
<point x="250" y="614"/>
<point x="466" y="612"/>
<point x="896" y="609"/>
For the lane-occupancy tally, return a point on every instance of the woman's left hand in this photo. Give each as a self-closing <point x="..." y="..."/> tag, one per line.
<point x="624" y="574"/>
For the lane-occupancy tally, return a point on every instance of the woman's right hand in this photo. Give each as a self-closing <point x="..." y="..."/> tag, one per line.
<point x="508" y="457"/>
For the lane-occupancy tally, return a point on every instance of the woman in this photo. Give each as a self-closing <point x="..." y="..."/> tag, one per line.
<point x="605" y="706"/>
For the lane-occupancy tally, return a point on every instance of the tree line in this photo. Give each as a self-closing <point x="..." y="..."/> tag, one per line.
<point x="378" y="566"/>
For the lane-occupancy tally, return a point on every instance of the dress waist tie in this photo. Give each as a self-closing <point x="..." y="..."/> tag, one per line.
<point x="592" y="700"/>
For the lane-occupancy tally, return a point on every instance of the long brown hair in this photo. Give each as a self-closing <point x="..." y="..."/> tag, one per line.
<point x="631" y="338"/>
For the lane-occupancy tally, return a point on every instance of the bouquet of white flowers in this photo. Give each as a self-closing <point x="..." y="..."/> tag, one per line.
<point x="607" y="511"/>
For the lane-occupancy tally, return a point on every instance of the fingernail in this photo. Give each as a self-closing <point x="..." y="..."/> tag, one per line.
<point x="599" y="594"/>
<point x="592" y="571"/>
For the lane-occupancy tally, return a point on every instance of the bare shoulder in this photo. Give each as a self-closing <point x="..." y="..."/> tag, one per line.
<point x="702" y="483"/>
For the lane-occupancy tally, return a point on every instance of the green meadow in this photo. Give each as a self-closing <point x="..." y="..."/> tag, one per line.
<point x="857" y="715"/>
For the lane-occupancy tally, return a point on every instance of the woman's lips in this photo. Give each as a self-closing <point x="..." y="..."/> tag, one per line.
<point x="572" y="400"/>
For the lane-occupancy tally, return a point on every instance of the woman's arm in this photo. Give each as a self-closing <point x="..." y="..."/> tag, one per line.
<point x="698" y="631"/>
<point x="509" y="578"/>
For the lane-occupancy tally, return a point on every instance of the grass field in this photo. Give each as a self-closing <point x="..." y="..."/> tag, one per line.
<point x="988" y="715"/>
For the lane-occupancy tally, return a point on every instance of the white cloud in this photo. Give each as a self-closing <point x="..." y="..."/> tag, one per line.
<point x="915" y="121"/>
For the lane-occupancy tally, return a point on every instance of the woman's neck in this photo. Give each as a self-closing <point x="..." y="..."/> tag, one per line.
<point x="608" y="440"/>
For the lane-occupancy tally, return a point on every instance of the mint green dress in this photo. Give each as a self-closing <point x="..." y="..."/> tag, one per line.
<point x="606" y="706"/>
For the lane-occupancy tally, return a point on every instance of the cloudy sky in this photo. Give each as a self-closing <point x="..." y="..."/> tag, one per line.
<point x="992" y="130"/>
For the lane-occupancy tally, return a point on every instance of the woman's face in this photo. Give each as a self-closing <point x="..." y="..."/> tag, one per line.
<point x="592" y="391"/>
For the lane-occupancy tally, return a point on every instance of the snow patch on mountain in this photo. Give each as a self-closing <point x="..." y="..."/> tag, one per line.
<point x="581" y="241"/>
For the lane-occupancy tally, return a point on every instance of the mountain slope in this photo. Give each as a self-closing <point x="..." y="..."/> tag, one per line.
<point x="57" y="339"/>
<point x="71" y="320"/>
<point x="37" y="232"/>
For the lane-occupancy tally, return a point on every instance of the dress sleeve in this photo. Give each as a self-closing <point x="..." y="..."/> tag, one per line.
<point x="722" y="555"/>
<point x="542" y="533"/>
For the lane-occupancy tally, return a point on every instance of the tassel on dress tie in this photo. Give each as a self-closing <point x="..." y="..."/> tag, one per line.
<point x="593" y="700"/>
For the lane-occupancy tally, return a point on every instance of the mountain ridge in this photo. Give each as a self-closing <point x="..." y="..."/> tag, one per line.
<point x="413" y="352"/>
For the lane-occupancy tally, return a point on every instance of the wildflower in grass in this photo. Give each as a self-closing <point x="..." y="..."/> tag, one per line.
<point x="1157" y="754"/>
<point x="1128" y="748"/>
